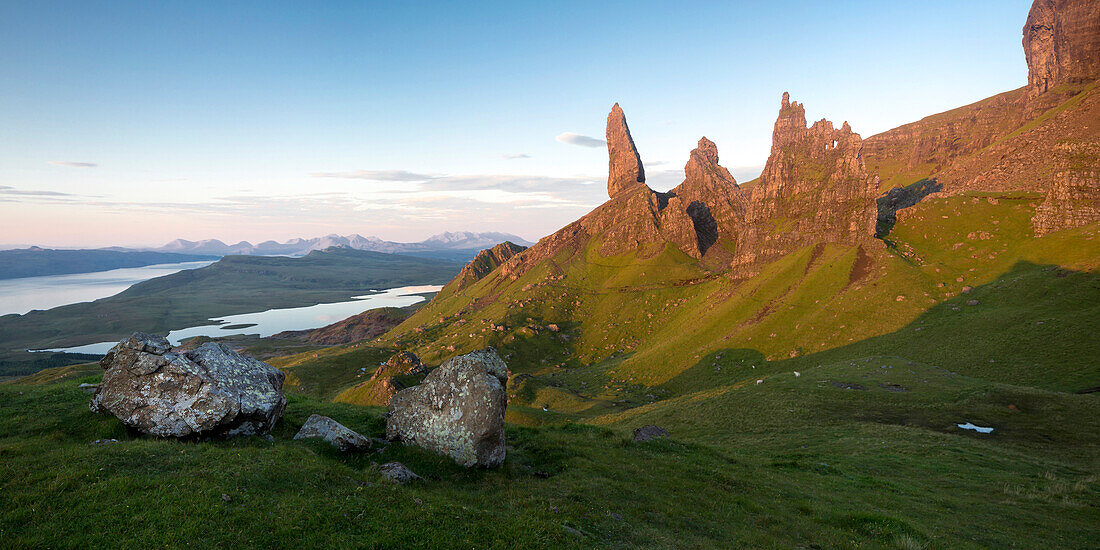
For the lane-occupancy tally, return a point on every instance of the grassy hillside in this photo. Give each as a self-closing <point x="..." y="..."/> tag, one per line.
<point x="233" y="285"/>
<point x="790" y="462"/>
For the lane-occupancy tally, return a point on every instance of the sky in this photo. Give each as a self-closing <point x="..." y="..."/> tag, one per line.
<point x="135" y="123"/>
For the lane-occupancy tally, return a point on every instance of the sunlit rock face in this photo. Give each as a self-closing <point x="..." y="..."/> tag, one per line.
<point x="1062" y="43"/>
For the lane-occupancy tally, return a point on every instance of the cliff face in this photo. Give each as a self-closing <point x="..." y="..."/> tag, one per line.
<point x="1041" y="138"/>
<point x="1061" y="43"/>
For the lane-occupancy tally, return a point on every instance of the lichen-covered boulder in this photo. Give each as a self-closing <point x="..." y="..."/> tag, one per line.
<point x="337" y="434"/>
<point x="208" y="391"/>
<point x="458" y="410"/>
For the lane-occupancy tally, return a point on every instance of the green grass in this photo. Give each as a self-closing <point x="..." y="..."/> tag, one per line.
<point x="791" y="462"/>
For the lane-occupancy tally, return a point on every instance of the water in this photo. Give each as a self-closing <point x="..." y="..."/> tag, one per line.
<point x="29" y="293"/>
<point x="272" y="321"/>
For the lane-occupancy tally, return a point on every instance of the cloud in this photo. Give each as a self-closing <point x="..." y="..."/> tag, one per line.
<point x="10" y="191"/>
<point x="578" y="139"/>
<point x="513" y="156"/>
<point x="376" y="175"/>
<point x="73" y="164"/>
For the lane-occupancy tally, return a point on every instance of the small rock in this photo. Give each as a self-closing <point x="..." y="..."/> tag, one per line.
<point x="227" y="498"/>
<point x="102" y="442"/>
<point x="397" y="473"/>
<point x="337" y="434"/>
<point x="89" y="387"/>
<point x="966" y="289"/>
<point x="649" y="432"/>
<point x="972" y="302"/>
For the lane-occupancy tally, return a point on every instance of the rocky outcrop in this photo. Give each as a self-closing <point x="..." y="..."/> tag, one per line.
<point x="708" y="205"/>
<point x="385" y="382"/>
<point x="1062" y="43"/>
<point x="1073" y="201"/>
<point x="458" y="410"/>
<point x="209" y="391"/>
<point x="814" y="188"/>
<point x="335" y="433"/>
<point x="624" y="167"/>
<point x="364" y="326"/>
<point x="485" y="262"/>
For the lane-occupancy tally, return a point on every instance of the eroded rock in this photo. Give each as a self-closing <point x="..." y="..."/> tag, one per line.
<point x="209" y="391"/>
<point x="458" y="410"/>
<point x="337" y="434"/>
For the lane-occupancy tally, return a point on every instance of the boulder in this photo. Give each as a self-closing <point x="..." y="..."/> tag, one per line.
<point x="397" y="473"/>
<point x="649" y="432"/>
<point x="402" y="362"/>
<point x="458" y="410"/>
<point x="337" y="434"/>
<point x="208" y="391"/>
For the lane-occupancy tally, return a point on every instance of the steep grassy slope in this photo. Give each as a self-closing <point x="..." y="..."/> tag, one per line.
<point x="235" y="284"/>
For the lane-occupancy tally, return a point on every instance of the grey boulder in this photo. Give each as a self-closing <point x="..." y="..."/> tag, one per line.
<point x="337" y="434"/>
<point x="208" y="391"/>
<point x="648" y="432"/>
<point x="458" y="410"/>
<point x="397" y="473"/>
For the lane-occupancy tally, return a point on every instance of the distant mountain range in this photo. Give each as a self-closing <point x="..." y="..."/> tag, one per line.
<point x="461" y="241"/>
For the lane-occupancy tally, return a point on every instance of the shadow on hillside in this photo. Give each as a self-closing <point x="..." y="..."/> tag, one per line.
<point x="899" y="198"/>
<point x="1035" y="325"/>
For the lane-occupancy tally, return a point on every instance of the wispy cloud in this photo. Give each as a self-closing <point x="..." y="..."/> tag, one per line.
<point x="73" y="164"/>
<point x="10" y="191"/>
<point x="579" y="139"/>
<point x="513" y="156"/>
<point x="377" y="175"/>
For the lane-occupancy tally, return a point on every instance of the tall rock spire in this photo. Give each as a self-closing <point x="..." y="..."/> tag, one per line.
<point x="624" y="166"/>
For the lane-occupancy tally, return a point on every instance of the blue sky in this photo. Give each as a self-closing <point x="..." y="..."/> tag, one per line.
<point x="238" y="120"/>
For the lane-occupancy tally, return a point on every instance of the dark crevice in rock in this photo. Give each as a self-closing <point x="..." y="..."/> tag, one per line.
<point x="663" y="198"/>
<point x="899" y="198"/>
<point x="706" y="228"/>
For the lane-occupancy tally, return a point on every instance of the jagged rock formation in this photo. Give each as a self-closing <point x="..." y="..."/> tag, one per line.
<point x="485" y="262"/>
<point x="209" y="391"/>
<point x="458" y="410"/>
<point x="708" y="204"/>
<point x="815" y="188"/>
<point x="624" y="166"/>
<point x="335" y="433"/>
<point x="1062" y="43"/>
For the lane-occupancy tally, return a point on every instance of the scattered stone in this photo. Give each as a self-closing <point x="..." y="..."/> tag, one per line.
<point x="89" y="387"/>
<point x="848" y="386"/>
<point x="650" y="432"/>
<point x="966" y="289"/>
<point x="972" y="302"/>
<point x="208" y="391"/>
<point x="103" y="442"/>
<point x="894" y="387"/>
<point x="397" y="473"/>
<point x="337" y="434"/>
<point x="458" y="410"/>
<point x="227" y="498"/>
